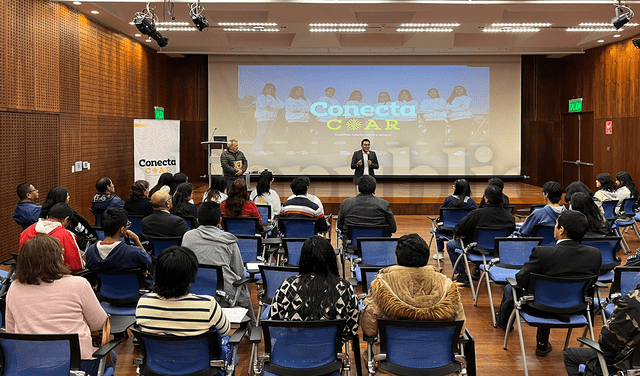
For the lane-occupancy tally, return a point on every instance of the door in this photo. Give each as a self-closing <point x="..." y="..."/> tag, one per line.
<point x="577" y="148"/>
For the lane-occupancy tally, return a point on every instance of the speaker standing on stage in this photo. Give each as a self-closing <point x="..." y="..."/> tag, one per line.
<point x="233" y="162"/>
<point x="364" y="161"/>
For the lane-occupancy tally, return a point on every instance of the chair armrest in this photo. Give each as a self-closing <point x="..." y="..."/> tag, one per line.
<point x="600" y="285"/>
<point x="256" y="335"/>
<point x="8" y="262"/>
<point x="106" y="349"/>
<point x="236" y="337"/>
<point x="243" y="281"/>
<point x="512" y="282"/>
<point x="591" y="343"/>
<point x="367" y="338"/>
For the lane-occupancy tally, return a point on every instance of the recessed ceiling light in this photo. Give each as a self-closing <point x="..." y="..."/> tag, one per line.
<point x="138" y="35"/>
<point x="95" y="12"/>
<point x="423" y="30"/>
<point x="511" y="30"/>
<point x="539" y="24"/>
<point x="617" y="36"/>
<point x="77" y="3"/>
<point x="334" y="25"/>
<point x="601" y="24"/>
<point x="429" y="25"/>
<point x="592" y="29"/>
<point x="600" y="40"/>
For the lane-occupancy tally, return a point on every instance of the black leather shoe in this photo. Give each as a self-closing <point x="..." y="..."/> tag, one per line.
<point x="543" y="350"/>
<point x="475" y="274"/>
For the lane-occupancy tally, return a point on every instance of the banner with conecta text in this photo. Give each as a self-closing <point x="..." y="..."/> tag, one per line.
<point x="156" y="148"/>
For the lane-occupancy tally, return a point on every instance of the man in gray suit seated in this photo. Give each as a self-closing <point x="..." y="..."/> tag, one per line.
<point x="366" y="209"/>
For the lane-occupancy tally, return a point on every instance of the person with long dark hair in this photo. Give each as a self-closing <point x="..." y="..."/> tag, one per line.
<point x="606" y="189"/>
<point x="182" y="206"/>
<point x="626" y="189"/>
<point x="216" y="191"/>
<point x="176" y="180"/>
<point x="264" y="195"/>
<point x="597" y="225"/>
<point x="77" y="223"/>
<point x="238" y="203"/>
<point x="45" y="299"/>
<point x="164" y="183"/>
<point x="138" y="202"/>
<point x="267" y="106"/>
<point x="461" y="198"/>
<point x="576" y="187"/>
<point x="318" y="292"/>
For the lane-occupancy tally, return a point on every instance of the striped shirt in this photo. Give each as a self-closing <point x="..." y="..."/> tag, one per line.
<point x="187" y="315"/>
<point x="301" y="207"/>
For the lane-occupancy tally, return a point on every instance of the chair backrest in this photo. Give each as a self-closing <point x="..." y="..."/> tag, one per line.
<point x="485" y="236"/>
<point x="160" y="243"/>
<point x="178" y="355"/>
<point x="355" y="232"/>
<point x="39" y="354"/>
<point x="510" y="208"/>
<point x="378" y="251"/>
<point x="419" y="345"/>
<point x="535" y="207"/>
<point x="241" y="225"/>
<point x="250" y="247"/>
<point x="136" y="223"/>
<point x="97" y="215"/>
<point x="608" y="246"/>
<point x="120" y="288"/>
<point x="292" y="249"/>
<point x="514" y="252"/>
<point x="265" y="212"/>
<point x="609" y="208"/>
<point x="208" y="280"/>
<point x="559" y="294"/>
<point x="625" y="279"/>
<point x="626" y="207"/>
<point x="298" y="227"/>
<point x="451" y="216"/>
<point x="303" y="345"/>
<point x="368" y="273"/>
<point x="546" y="232"/>
<point x="190" y="221"/>
<point x="272" y="278"/>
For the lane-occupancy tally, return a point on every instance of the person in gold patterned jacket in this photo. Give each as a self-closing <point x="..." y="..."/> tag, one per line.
<point x="411" y="290"/>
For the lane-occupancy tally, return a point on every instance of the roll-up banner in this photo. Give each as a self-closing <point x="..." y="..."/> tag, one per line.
<point x="156" y="146"/>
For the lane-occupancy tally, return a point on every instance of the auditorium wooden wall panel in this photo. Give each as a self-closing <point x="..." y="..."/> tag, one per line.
<point x="20" y="60"/>
<point x="69" y="61"/>
<point x="3" y="54"/>
<point x="616" y="152"/>
<point x="46" y="48"/>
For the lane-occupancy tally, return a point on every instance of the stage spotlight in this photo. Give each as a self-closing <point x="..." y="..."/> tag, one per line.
<point x="197" y="16"/>
<point x="621" y="18"/>
<point x="636" y="43"/>
<point x="145" y="21"/>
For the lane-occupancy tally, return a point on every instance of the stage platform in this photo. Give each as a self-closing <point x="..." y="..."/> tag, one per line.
<point x="406" y="198"/>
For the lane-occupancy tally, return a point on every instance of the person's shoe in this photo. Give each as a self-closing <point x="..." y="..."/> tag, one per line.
<point x="462" y="278"/>
<point x="475" y="274"/>
<point x="438" y="256"/>
<point x="543" y="349"/>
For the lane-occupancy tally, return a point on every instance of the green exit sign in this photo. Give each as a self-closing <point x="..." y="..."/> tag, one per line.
<point x="159" y="113"/>
<point x="575" y="105"/>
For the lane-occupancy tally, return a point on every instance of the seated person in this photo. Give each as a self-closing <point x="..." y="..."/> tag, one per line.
<point x="238" y="203"/>
<point x="112" y="254"/>
<point x="616" y="338"/>
<point x="45" y="299"/>
<point x="138" y="202"/>
<point x="546" y="216"/>
<point x="216" y="191"/>
<point x="182" y="206"/>
<point x="214" y="246"/>
<point x="318" y="292"/>
<point x="366" y="209"/>
<point x="300" y="205"/>
<point x="162" y="223"/>
<point x="27" y="211"/>
<point x="264" y="195"/>
<point x="164" y="183"/>
<point x="500" y="184"/>
<point x="77" y="223"/>
<point x="461" y="198"/>
<point x="410" y="290"/>
<point x="170" y="308"/>
<point x="598" y="226"/>
<point x="55" y="225"/>
<point x="106" y="196"/>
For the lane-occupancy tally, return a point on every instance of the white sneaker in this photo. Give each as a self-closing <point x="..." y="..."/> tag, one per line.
<point x="438" y="256"/>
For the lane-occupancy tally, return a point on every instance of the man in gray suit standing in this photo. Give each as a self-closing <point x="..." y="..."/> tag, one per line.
<point x="364" y="161"/>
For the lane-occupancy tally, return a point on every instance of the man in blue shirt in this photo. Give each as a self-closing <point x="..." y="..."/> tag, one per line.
<point x="27" y="211"/>
<point x="106" y="197"/>
<point x="546" y="216"/>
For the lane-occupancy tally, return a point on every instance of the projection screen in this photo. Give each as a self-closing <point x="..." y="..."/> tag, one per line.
<point x="426" y="116"/>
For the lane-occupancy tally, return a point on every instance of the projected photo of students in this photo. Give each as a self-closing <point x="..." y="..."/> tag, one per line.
<point x="408" y="122"/>
<point x="267" y="106"/>
<point x="460" y="117"/>
<point x="298" y="117"/>
<point x="323" y="132"/>
<point x="434" y="114"/>
<point x="383" y="99"/>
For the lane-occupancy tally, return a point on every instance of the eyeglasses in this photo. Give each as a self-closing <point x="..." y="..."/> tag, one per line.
<point x="128" y="224"/>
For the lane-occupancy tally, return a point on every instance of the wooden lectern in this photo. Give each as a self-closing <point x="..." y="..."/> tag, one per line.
<point x="218" y="142"/>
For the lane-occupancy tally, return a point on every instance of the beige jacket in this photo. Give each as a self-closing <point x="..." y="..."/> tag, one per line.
<point x="400" y="292"/>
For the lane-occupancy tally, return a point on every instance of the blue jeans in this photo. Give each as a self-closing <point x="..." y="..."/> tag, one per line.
<point x="453" y="256"/>
<point x="90" y="367"/>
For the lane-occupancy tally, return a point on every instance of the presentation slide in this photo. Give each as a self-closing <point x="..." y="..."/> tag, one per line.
<point x="437" y="119"/>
